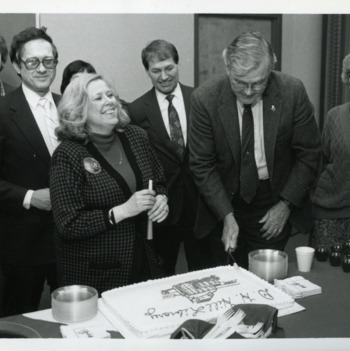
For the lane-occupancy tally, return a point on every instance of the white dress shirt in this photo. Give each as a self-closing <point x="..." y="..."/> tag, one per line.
<point x="33" y="101"/>
<point x="179" y="105"/>
<point x="259" y="146"/>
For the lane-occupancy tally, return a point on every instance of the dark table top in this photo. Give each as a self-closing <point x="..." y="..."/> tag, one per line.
<point x="327" y="315"/>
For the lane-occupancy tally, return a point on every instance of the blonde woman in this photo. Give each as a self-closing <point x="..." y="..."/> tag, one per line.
<point x="99" y="189"/>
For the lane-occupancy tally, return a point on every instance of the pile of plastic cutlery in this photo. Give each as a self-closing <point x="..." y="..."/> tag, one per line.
<point x="231" y="322"/>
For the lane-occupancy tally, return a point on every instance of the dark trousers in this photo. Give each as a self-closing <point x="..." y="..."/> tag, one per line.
<point x="250" y="236"/>
<point x="1" y="293"/>
<point x="167" y="240"/>
<point x="23" y="286"/>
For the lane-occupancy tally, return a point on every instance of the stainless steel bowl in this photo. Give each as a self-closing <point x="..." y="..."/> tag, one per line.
<point x="74" y="303"/>
<point x="268" y="264"/>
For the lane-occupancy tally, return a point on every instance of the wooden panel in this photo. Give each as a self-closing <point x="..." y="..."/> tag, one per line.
<point x="215" y="32"/>
<point x="10" y="25"/>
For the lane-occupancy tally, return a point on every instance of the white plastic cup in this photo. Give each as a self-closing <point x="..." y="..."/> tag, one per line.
<point x="305" y="255"/>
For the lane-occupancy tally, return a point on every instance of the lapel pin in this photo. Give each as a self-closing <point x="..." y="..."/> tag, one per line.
<point x="91" y="165"/>
<point x="273" y="108"/>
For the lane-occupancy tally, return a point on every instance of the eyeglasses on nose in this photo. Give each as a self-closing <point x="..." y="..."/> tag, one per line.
<point x="34" y="62"/>
<point x="260" y="85"/>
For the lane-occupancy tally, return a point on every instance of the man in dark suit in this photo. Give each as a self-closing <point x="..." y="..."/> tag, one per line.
<point x="254" y="152"/>
<point x="4" y="89"/>
<point x="28" y="118"/>
<point x="164" y="113"/>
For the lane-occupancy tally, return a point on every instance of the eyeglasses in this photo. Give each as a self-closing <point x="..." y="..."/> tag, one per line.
<point x="256" y="86"/>
<point x="34" y="62"/>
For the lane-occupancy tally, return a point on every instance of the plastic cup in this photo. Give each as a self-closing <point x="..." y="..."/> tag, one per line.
<point x="305" y="255"/>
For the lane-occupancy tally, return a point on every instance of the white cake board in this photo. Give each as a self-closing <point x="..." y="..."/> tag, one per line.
<point x="120" y="325"/>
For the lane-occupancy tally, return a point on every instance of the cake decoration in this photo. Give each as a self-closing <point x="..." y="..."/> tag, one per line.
<point x="157" y="307"/>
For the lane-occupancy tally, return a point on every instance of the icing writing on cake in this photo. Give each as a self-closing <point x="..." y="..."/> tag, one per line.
<point x="198" y="290"/>
<point x="156" y="308"/>
<point x="191" y="311"/>
<point x="224" y="303"/>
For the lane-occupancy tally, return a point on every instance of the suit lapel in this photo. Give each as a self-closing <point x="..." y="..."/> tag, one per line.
<point x="23" y="117"/>
<point x="229" y="117"/>
<point x="187" y="102"/>
<point x="186" y="94"/>
<point x="153" y="114"/>
<point x="56" y="98"/>
<point x="272" y="112"/>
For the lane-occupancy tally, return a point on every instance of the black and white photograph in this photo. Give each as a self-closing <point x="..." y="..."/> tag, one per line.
<point x="175" y="175"/>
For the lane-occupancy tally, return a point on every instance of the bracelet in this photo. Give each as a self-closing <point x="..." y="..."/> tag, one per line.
<point x="111" y="217"/>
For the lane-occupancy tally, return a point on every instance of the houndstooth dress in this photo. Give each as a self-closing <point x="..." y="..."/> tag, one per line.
<point x="91" y="251"/>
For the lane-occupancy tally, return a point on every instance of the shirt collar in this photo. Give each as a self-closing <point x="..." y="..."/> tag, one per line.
<point x="33" y="98"/>
<point x="257" y="103"/>
<point x="177" y="93"/>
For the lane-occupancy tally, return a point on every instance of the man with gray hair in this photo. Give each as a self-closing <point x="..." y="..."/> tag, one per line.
<point x="254" y="152"/>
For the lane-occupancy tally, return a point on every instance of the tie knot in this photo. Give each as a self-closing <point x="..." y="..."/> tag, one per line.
<point x="247" y="105"/>
<point x="42" y="102"/>
<point x="170" y="97"/>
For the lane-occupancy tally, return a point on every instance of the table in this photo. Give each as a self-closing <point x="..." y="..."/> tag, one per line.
<point x="327" y="315"/>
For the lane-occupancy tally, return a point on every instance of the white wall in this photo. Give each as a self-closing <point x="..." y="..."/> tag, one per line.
<point x="113" y="44"/>
<point x="301" y="52"/>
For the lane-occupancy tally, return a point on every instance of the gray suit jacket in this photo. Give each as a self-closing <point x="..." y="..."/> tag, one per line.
<point x="292" y="145"/>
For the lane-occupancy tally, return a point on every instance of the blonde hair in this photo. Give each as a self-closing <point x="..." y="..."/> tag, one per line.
<point x="73" y="109"/>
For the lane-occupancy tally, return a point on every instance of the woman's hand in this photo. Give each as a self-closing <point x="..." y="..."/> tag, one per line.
<point x="140" y="201"/>
<point x="160" y="209"/>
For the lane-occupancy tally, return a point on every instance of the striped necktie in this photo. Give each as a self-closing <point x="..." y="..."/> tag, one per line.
<point x="50" y="120"/>
<point x="249" y="179"/>
<point x="175" y="128"/>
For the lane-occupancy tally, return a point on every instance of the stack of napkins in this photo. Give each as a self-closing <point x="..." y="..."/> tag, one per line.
<point x="297" y="287"/>
<point x="75" y="332"/>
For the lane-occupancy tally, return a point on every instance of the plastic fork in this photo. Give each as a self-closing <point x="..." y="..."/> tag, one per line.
<point x="257" y="335"/>
<point x="267" y="333"/>
<point x="220" y="320"/>
<point x="249" y="329"/>
<point x="230" y="326"/>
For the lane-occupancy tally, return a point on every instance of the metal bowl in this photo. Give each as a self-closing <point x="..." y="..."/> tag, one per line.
<point x="268" y="264"/>
<point x="74" y="303"/>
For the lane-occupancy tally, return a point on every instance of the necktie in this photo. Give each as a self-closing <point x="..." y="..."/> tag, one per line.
<point x="50" y="120"/>
<point x="175" y="128"/>
<point x="249" y="178"/>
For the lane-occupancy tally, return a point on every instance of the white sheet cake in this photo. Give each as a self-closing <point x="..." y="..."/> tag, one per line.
<point x="157" y="307"/>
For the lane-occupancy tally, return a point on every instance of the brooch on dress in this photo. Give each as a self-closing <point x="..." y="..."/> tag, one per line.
<point x="91" y="165"/>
